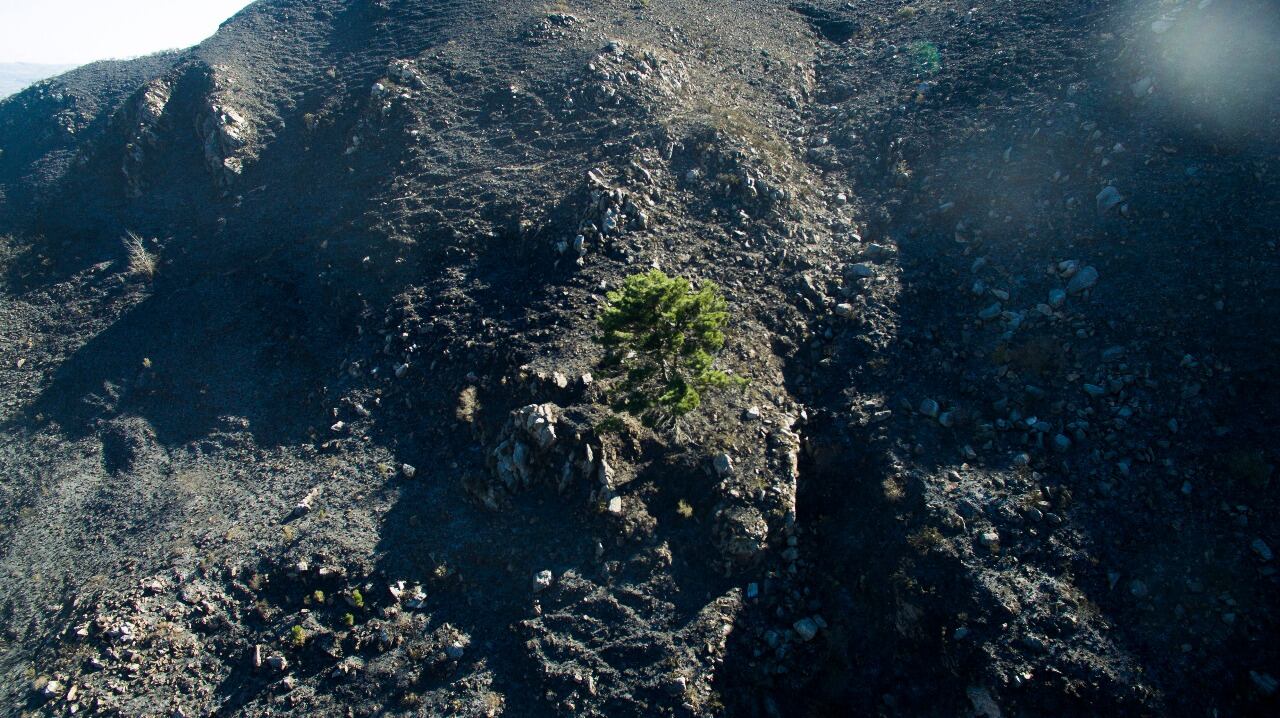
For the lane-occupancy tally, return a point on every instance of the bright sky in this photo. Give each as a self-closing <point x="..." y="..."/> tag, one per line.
<point x="75" y="32"/>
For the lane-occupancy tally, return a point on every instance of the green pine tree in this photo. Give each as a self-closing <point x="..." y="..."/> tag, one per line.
<point x="661" y="338"/>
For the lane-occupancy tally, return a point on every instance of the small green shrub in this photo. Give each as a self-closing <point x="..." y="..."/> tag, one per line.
<point x="357" y="598"/>
<point x="926" y="56"/>
<point x="297" y="637"/>
<point x="661" y="337"/>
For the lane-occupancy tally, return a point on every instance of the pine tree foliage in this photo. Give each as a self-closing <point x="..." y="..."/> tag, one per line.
<point x="661" y="338"/>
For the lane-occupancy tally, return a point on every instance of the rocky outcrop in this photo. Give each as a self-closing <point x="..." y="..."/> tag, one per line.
<point x="144" y="117"/>
<point x="226" y="130"/>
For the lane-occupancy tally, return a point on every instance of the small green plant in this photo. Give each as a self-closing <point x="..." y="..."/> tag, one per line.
<point x="610" y="425"/>
<point x="926" y="56"/>
<point x="684" y="509"/>
<point x="357" y="598"/>
<point x="348" y="620"/>
<point x="926" y="539"/>
<point x="297" y="637"/>
<point x="318" y="597"/>
<point x="661" y="337"/>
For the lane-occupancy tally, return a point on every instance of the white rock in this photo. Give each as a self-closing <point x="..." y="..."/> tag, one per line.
<point x="723" y="465"/>
<point x="542" y="581"/>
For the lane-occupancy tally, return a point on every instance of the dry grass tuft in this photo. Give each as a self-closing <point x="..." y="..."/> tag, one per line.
<point x="142" y="263"/>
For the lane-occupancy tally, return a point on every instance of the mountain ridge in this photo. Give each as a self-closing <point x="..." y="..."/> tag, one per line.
<point x="994" y="273"/>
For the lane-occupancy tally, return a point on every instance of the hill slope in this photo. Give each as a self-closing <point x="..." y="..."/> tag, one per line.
<point x="996" y="276"/>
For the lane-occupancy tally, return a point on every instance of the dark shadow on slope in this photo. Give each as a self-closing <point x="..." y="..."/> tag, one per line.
<point x="190" y="354"/>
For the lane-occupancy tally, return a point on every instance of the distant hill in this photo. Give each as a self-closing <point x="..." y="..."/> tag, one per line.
<point x="15" y="76"/>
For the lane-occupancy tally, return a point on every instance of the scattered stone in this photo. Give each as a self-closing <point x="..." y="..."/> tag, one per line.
<point x="860" y="271"/>
<point x="1084" y="281"/>
<point x="876" y="251"/>
<point x="303" y="507"/>
<point x="990" y="539"/>
<point x="806" y="629"/>
<point x="277" y="663"/>
<point x="1265" y="682"/>
<point x="723" y="465"/>
<point x="742" y="532"/>
<point x="844" y="310"/>
<point x="1138" y="589"/>
<point x="1261" y="548"/>
<point x="991" y="312"/>
<point x="1057" y="298"/>
<point x="1108" y="199"/>
<point x="1034" y="643"/>
<point x="1111" y="354"/>
<point x="615" y="506"/>
<point x="929" y="408"/>
<point x="1061" y="443"/>
<point x="408" y="470"/>
<point x="121" y="634"/>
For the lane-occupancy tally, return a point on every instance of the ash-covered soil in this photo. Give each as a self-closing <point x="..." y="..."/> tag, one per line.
<point x="1003" y="278"/>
